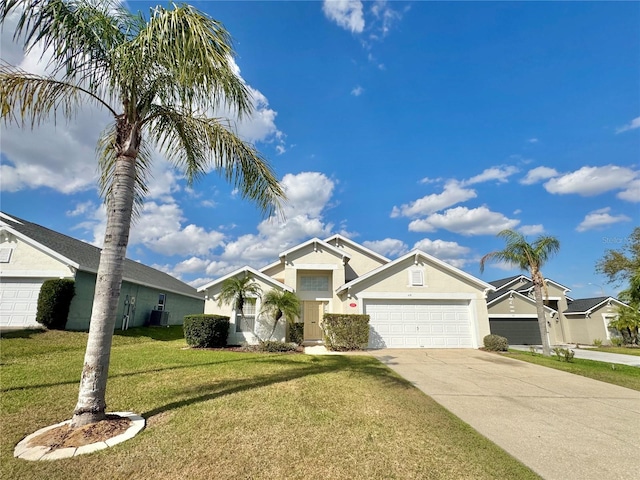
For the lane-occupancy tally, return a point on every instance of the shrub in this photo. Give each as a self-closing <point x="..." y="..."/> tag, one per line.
<point x="296" y="332"/>
<point x="206" y="331"/>
<point x="597" y="342"/>
<point x="54" y="302"/>
<point x="565" y="354"/>
<point x="617" y="341"/>
<point x="495" y="343"/>
<point x="345" y="332"/>
<point x="276" y="346"/>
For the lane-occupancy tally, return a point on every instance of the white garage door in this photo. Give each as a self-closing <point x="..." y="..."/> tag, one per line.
<point x="419" y="324"/>
<point x="19" y="302"/>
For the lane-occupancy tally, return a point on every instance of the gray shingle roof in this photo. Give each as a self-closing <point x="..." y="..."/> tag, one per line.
<point x="581" y="305"/>
<point x="88" y="257"/>
<point x="503" y="281"/>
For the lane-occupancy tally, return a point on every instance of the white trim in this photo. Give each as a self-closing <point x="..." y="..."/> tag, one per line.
<point x="36" y="273"/>
<point x="29" y="241"/>
<point x="340" y="239"/>
<point x="315" y="266"/>
<point x="247" y="269"/>
<point x="512" y="315"/>
<point x="415" y="296"/>
<point x="596" y="307"/>
<point x="606" y="318"/>
<point x="429" y="259"/>
<point x="315" y="241"/>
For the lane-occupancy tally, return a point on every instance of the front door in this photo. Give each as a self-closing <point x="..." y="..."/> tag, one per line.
<point x="312" y="313"/>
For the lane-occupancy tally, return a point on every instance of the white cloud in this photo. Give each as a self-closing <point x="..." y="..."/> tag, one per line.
<point x="357" y="91"/>
<point x="191" y="265"/>
<point x="538" y="174"/>
<point x="632" y="125"/>
<point x="500" y="174"/>
<point x="81" y="209"/>
<point x="389" y="247"/>
<point x="632" y="192"/>
<point x="346" y="13"/>
<point x="449" y="252"/>
<point x="589" y="181"/>
<point x="531" y="229"/>
<point x="452" y="194"/>
<point x="599" y="219"/>
<point x="476" y="221"/>
<point x="533" y="140"/>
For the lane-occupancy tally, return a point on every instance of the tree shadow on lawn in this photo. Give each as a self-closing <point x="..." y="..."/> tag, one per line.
<point x="328" y="364"/>
<point x="25" y="333"/>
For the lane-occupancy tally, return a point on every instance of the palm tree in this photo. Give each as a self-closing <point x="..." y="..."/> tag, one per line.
<point x="158" y="77"/>
<point x="279" y="304"/>
<point x="531" y="257"/>
<point x="236" y="290"/>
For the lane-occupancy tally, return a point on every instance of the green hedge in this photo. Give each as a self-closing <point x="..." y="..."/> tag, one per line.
<point x="206" y="331"/>
<point x="496" y="343"/>
<point x="345" y="332"/>
<point x="54" y="302"/>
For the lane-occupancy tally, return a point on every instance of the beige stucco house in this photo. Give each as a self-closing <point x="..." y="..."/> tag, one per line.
<point x="415" y="301"/>
<point x="512" y="314"/>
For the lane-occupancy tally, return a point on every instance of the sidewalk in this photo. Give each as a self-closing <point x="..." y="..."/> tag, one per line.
<point x="589" y="354"/>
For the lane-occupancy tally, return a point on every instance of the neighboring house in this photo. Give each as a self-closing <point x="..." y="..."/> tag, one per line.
<point x="31" y="254"/>
<point x="512" y="313"/>
<point x="588" y="319"/>
<point x="415" y="301"/>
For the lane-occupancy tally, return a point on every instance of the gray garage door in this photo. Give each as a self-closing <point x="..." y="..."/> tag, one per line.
<point x="519" y="331"/>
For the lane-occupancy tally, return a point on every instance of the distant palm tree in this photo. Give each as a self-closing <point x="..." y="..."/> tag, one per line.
<point x="236" y="290"/>
<point x="158" y="78"/>
<point x="531" y="257"/>
<point x="279" y="304"/>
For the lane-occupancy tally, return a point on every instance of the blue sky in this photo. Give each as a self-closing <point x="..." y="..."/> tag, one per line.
<point x="401" y="125"/>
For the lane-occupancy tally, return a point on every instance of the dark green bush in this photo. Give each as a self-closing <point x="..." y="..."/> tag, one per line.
<point x="54" y="302"/>
<point x="345" y="332"/>
<point x="296" y="332"/>
<point x="206" y="331"/>
<point x="496" y="343"/>
<point x="276" y="346"/>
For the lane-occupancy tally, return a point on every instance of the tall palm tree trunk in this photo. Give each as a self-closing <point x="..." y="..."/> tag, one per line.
<point x="91" y="406"/>
<point x="542" y="321"/>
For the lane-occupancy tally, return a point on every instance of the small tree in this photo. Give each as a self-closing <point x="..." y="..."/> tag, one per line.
<point x="236" y="290"/>
<point x="54" y="301"/>
<point x="278" y="304"/>
<point x="528" y="256"/>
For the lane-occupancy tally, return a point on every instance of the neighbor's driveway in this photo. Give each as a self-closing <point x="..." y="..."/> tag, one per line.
<point x="563" y="426"/>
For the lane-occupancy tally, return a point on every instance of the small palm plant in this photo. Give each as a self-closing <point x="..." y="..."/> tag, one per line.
<point x="280" y="304"/>
<point x="235" y="292"/>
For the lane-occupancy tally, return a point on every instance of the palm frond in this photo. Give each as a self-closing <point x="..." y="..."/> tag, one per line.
<point x="195" y="51"/>
<point x="29" y="99"/>
<point x="79" y="35"/>
<point x="196" y="144"/>
<point x="521" y="253"/>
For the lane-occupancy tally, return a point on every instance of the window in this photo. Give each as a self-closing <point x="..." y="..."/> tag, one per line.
<point x="314" y="284"/>
<point x="5" y="255"/>
<point x="247" y="323"/>
<point x="416" y="277"/>
<point x="161" y="301"/>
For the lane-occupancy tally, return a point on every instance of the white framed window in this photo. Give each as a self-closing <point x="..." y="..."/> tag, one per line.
<point x="162" y="300"/>
<point x="416" y="277"/>
<point x="314" y="283"/>
<point x="246" y="320"/>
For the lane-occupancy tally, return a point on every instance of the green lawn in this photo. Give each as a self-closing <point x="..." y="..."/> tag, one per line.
<point x="215" y="414"/>
<point x="624" y="350"/>
<point x="623" y="375"/>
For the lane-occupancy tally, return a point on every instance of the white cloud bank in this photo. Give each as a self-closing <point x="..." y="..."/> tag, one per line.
<point x="599" y="219"/>
<point x="347" y="14"/>
<point x="465" y="221"/>
<point x="632" y="125"/>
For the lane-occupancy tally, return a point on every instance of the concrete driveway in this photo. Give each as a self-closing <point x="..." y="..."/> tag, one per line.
<point x="563" y="426"/>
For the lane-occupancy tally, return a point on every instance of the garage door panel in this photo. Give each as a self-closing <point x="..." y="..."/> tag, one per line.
<point x="19" y="302"/>
<point x="518" y="331"/>
<point x="423" y="324"/>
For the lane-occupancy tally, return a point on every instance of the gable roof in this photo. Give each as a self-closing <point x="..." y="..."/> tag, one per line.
<point x="315" y="241"/>
<point x="503" y="282"/>
<point x="582" y="306"/>
<point x="426" y="256"/>
<point x="340" y="239"/>
<point x="248" y="270"/>
<point x="496" y="296"/>
<point x="86" y="257"/>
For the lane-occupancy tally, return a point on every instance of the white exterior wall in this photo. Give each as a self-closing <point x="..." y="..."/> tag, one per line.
<point x="28" y="261"/>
